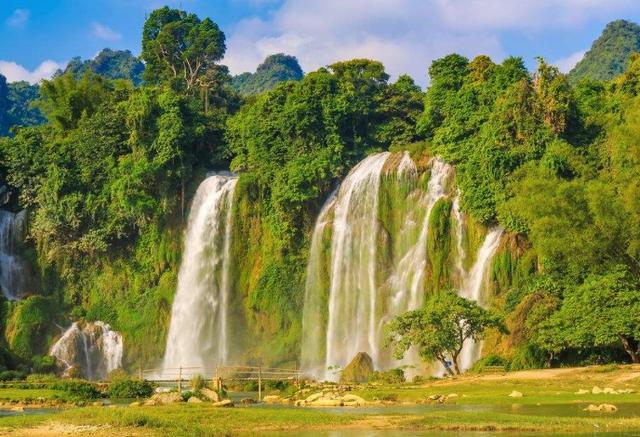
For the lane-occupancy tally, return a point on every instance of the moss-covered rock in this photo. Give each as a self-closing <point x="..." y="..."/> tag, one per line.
<point x="359" y="369"/>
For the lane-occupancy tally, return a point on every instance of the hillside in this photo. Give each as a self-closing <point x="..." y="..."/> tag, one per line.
<point x="112" y="64"/>
<point x="16" y="105"/>
<point x="610" y="53"/>
<point x="275" y="68"/>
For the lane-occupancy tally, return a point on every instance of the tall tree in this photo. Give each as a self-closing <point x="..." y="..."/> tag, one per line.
<point x="439" y="329"/>
<point x="180" y="48"/>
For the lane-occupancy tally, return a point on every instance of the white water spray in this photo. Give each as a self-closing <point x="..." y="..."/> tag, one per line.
<point x="94" y="349"/>
<point x="12" y="267"/>
<point x="472" y="289"/>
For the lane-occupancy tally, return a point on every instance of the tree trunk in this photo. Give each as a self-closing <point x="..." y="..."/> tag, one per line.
<point x="454" y="358"/>
<point x="629" y="348"/>
<point x="549" y="360"/>
<point x="447" y="368"/>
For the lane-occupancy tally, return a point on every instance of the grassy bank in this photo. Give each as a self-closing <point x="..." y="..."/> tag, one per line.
<point x="549" y="404"/>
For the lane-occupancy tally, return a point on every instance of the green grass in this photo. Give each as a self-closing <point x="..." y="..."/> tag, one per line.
<point x="549" y="405"/>
<point x="19" y="394"/>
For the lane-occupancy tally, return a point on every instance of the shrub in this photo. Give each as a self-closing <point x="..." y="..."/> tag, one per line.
<point x="117" y="375"/>
<point x="392" y="376"/>
<point x="491" y="361"/>
<point x="35" y="378"/>
<point x="12" y="375"/>
<point x="78" y="389"/>
<point x="130" y="388"/>
<point x="250" y="386"/>
<point x="43" y="364"/>
<point x="197" y="382"/>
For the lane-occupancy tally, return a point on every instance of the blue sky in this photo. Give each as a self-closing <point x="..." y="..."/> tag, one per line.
<point x="36" y="37"/>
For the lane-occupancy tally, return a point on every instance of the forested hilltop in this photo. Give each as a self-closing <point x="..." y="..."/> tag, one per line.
<point x="108" y="180"/>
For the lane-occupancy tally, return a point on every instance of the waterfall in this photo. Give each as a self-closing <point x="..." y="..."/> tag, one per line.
<point x="460" y="252"/>
<point x="13" y="276"/>
<point x="199" y="332"/>
<point x="373" y="273"/>
<point x="94" y="350"/>
<point x="472" y="288"/>
<point x="312" y="318"/>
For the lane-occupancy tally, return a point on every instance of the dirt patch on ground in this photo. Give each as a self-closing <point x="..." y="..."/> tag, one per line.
<point x="542" y="374"/>
<point x="54" y="429"/>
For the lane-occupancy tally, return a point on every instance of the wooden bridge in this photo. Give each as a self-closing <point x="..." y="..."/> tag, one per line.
<point x="218" y="374"/>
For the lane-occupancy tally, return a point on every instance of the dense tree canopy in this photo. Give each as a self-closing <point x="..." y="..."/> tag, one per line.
<point x="439" y="329"/>
<point x="17" y="105"/>
<point x="112" y="64"/>
<point x="180" y="48"/>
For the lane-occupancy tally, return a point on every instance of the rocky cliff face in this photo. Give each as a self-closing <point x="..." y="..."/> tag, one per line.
<point x="90" y="350"/>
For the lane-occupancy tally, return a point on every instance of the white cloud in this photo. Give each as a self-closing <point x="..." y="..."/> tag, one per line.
<point x="19" y="18"/>
<point x="105" y="32"/>
<point x="406" y="35"/>
<point x="16" y="72"/>
<point x="566" y="64"/>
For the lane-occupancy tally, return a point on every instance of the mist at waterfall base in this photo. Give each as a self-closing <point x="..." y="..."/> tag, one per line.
<point x="13" y="269"/>
<point x="93" y="349"/>
<point x="199" y="331"/>
<point x="364" y="269"/>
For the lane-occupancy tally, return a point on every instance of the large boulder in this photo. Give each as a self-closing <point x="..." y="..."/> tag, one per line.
<point x="359" y="369"/>
<point x="211" y="395"/>
<point x="166" y="398"/>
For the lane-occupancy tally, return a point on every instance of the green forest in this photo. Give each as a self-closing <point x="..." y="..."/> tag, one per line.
<point x="106" y="157"/>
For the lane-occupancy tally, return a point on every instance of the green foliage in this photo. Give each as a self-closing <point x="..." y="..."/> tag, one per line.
<point x="78" y="389"/>
<point x="439" y="329"/>
<point x="196" y="382"/>
<point x="602" y="311"/>
<point x="129" y="388"/>
<point x="273" y="70"/>
<point x="111" y="64"/>
<point x="17" y="105"/>
<point x="391" y="376"/>
<point x="181" y="49"/>
<point x="439" y="242"/>
<point x="29" y="327"/>
<point x="12" y="375"/>
<point x="609" y="53"/>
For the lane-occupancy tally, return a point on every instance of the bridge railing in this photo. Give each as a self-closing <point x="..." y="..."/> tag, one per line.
<point x="217" y="374"/>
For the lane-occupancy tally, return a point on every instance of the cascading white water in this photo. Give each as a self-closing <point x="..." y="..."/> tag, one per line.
<point x="94" y="349"/>
<point x="352" y="323"/>
<point x="472" y="288"/>
<point x="312" y="319"/>
<point x="12" y="267"/>
<point x="363" y="293"/>
<point x="460" y="252"/>
<point x="199" y="332"/>
<point x="407" y="280"/>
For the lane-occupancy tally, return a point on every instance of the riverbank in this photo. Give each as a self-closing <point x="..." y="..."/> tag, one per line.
<point x="552" y="401"/>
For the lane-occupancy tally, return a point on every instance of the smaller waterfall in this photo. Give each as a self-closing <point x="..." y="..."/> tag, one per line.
<point x="472" y="288"/>
<point x="460" y="252"/>
<point x="13" y="276"/>
<point x="199" y="330"/>
<point x="94" y="349"/>
<point x="312" y="318"/>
